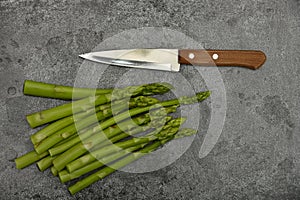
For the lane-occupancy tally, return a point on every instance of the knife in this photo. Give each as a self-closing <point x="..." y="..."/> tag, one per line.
<point x="170" y="59"/>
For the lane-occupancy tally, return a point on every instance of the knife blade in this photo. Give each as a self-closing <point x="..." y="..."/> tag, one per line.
<point x="170" y="59"/>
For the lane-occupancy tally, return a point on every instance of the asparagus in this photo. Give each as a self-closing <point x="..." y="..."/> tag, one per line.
<point x="167" y="130"/>
<point x="39" y="89"/>
<point x="125" y="161"/>
<point x="119" y="105"/>
<point x="102" y="137"/>
<point x="65" y="176"/>
<point x="74" y="152"/>
<point x="45" y="163"/>
<point x="54" y="171"/>
<point x="58" y="125"/>
<point x="66" y="132"/>
<point x="62" y="139"/>
<point x="31" y="157"/>
<point x="52" y="114"/>
<point x="28" y="159"/>
<point x="71" y="129"/>
<point x="135" y="111"/>
<point x="112" y="157"/>
<point x="107" y="109"/>
<point x="111" y="131"/>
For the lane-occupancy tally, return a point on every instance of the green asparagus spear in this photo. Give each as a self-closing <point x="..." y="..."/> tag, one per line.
<point x="54" y="171"/>
<point x="40" y="89"/>
<point x="108" y="109"/>
<point x="120" y="117"/>
<point x="125" y="161"/>
<point x="113" y="130"/>
<point x="58" y="125"/>
<point x="168" y="130"/>
<point x="70" y="130"/>
<point x="45" y="163"/>
<point x="52" y="114"/>
<point x="65" y="176"/>
<point x="32" y="157"/>
<point x="102" y="137"/>
<point x="66" y="132"/>
<point x="28" y="159"/>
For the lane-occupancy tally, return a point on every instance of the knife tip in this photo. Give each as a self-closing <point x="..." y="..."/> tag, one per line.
<point x="82" y="55"/>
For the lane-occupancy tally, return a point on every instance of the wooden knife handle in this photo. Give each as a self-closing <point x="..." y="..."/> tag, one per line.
<point x="251" y="59"/>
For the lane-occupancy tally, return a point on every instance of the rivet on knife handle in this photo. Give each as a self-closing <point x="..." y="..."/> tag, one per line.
<point x="251" y="59"/>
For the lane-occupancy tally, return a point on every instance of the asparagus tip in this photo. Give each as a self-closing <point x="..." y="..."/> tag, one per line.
<point x="185" y="132"/>
<point x="203" y="95"/>
<point x="167" y="85"/>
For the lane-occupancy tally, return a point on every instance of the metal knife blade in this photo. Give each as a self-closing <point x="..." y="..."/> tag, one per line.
<point x="157" y="59"/>
<point x="170" y="59"/>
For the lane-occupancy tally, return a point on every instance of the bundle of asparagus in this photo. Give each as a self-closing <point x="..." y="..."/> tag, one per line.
<point x="96" y="131"/>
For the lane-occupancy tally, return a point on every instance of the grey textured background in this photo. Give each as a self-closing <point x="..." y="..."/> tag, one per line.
<point x="258" y="153"/>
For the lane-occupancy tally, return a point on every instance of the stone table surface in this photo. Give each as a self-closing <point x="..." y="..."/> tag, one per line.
<point x="257" y="155"/>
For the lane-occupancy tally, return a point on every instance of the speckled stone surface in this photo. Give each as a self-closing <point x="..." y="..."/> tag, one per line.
<point x="258" y="153"/>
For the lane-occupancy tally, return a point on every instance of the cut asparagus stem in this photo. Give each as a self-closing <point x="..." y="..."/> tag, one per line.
<point x="28" y="159"/>
<point x="39" y="89"/>
<point x="45" y="163"/>
<point x="58" y="125"/>
<point x="66" y="132"/>
<point x="103" y="137"/>
<point x="52" y="114"/>
<point x="54" y="171"/>
<point x="123" y="162"/>
<point x="167" y="130"/>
